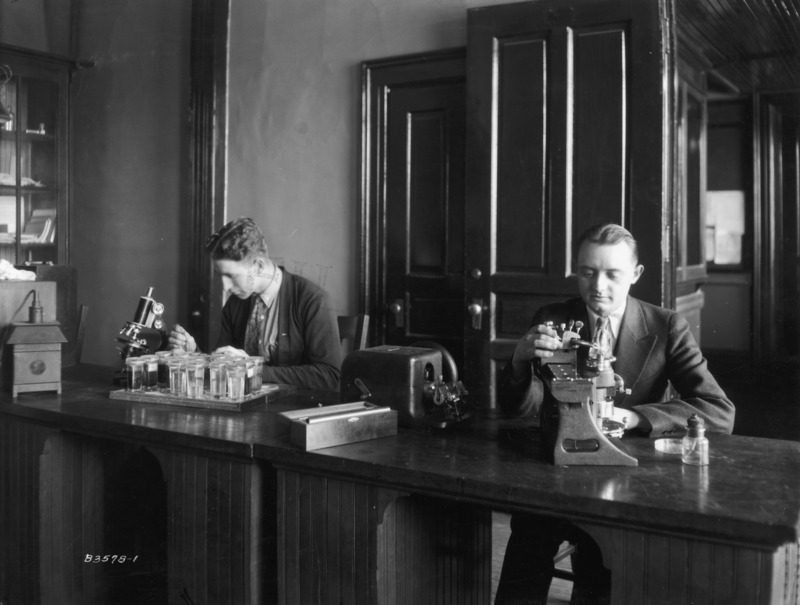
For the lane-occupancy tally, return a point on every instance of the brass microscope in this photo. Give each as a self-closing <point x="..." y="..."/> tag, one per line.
<point x="577" y="412"/>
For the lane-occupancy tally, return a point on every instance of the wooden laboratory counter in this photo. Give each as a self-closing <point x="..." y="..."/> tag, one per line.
<point x="246" y="517"/>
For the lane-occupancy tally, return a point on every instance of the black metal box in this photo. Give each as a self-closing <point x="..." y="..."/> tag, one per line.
<point x="394" y="376"/>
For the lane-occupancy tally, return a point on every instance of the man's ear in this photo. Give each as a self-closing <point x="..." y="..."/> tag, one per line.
<point x="259" y="265"/>
<point x="637" y="273"/>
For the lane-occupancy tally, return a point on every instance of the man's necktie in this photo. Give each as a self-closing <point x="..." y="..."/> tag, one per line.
<point x="602" y="335"/>
<point x="255" y="327"/>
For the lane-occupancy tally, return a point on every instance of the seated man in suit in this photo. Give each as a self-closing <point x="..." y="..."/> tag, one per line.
<point x="653" y="348"/>
<point x="281" y="317"/>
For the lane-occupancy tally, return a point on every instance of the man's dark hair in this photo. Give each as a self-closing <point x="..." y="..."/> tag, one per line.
<point x="238" y="240"/>
<point x="608" y="234"/>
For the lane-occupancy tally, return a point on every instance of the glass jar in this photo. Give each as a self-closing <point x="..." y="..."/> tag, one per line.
<point x="694" y="448"/>
<point x="134" y="373"/>
<point x="177" y="376"/>
<point x="217" y="379"/>
<point x="236" y="374"/>
<point x="195" y="377"/>
<point x="258" y="376"/>
<point x="150" y="372"/>
<point x="163" y="369"/>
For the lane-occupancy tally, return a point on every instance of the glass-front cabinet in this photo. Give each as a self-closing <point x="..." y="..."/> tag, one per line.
<point x="34" y="184"/>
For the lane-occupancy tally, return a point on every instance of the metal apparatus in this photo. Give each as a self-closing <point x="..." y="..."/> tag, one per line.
<point x="577" y="413"/>
<point x="409" y="380"/>
<point x="147" y="316"/>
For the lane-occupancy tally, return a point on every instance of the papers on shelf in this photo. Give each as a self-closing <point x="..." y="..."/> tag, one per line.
<point x="26" y="181"/>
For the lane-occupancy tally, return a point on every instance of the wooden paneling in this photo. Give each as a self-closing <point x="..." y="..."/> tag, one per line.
<point x="663" y="569"/>
<point x="522" y="154"/>
<point x="346" y="542"/>
<point x="320" y="561"/>
<point x="430" y="551"/>
<point x="20" y="447"/>
<point x="216" y="528"/>
<point x="598" y="178"/>
<point x="71" y="491"/>
<point x="426" y="186"/>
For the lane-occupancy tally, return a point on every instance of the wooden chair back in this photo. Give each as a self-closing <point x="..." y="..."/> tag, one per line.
<point x="353" y="331"/>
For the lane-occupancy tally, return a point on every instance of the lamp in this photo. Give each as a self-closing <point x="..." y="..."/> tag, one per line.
<point x="5" y="113"/>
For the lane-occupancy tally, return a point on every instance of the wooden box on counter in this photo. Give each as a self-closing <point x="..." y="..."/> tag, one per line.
<point x="15" y="299"/>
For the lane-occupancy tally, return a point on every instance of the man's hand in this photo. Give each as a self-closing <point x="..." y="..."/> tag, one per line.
<point x="540" y="341"/>
<point x="181" y="340"/>
<point x="631" y="419"/>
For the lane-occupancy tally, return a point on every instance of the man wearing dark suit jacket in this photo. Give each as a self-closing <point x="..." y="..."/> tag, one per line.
<point x="654" y="347"/>
<point x="281" y="317"/>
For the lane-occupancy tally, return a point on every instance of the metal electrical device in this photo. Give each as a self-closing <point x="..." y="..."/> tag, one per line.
<point x="410" y="380"/>
<point x="577" y="413"/>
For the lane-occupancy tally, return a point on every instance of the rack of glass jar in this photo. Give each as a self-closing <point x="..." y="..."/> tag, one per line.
<point x="179" y="377"/>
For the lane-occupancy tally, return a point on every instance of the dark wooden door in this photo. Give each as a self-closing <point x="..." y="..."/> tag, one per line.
<point x="414" y="207"/>
<point x="425" y="216"/>
<point x="568" y="117"/>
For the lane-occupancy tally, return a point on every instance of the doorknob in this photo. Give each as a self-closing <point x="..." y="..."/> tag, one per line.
<point x="396" y="309"/>
<point x="476" y="310"/>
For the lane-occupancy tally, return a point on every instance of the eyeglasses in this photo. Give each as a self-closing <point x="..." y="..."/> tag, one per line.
<point x="215" y="238"/>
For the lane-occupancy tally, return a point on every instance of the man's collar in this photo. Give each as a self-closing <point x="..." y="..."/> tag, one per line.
<point x="269" y="293"/>
<point x="615" y="318"/>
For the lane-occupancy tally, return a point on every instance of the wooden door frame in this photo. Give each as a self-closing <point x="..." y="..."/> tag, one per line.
<point x="377" y="78"/>
<point x="770" y="198"/>
<point x="207" y="186"/>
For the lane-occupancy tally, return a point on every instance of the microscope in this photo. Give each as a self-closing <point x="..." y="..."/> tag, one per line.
<point x="133" y="336"/>
<point x="577" y="412"/>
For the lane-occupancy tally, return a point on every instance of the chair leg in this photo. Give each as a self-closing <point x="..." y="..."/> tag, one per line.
<point x="83" y="312"/>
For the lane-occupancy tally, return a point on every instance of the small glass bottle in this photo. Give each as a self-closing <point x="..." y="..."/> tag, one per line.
<point x="695" y="444"/>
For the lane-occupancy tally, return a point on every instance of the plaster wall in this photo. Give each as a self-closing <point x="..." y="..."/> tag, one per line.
<point x="129" y="156"/>
<point x="295" y="119"/>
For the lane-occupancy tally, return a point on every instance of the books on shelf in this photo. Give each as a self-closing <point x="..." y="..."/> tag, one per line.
<point x="41" y="227"/>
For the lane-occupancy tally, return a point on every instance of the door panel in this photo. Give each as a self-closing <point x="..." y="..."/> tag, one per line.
<point x="566" y="127"/>
<point x="521" y="156"/>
